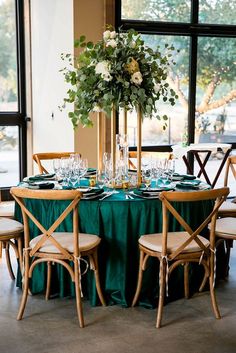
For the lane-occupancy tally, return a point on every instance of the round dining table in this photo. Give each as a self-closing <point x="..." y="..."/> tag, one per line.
<point x="119" y="221"/>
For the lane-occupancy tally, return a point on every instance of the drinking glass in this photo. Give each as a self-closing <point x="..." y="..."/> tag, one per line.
<point x="146" y="172"/>
<point x="65" y="162"/>
<point x="56" y="167"/>
<point x="101" y="179"/>
<point x="171" y="168"/>
<point x="83" y="168"/>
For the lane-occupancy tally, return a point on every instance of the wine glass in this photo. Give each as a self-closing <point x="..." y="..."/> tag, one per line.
<point x="65" y="162"/>
<point x="56" y="167"/>
<point x="171" y="168"/>
<point x="83" y="168"/>
<point x="101" y="179"/>
<point x="146" y="173"/>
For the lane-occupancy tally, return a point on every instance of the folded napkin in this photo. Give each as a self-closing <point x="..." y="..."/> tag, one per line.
<point x="41" y="177"/>
<point x="183" y="176"/>
<point x="90" y="171"/>
<point x="187" y="185"/>
<point x="92" y="193"/>
<point x="41" y="185"/>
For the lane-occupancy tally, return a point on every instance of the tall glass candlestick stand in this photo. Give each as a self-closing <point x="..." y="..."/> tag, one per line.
<point x="125" y="121"/>
<point x="113" y="144"/>
<point x="139" y="145"/>
<point x="100" y="129"/>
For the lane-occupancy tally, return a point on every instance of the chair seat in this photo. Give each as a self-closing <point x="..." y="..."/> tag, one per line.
<point x="175" y="239"/>
<point x="7" y="209"/>
<point x="226" y="227"/>
<point x="86" y="242"/>
<point x="227" y="206"/>
<point x="9" y="226"/>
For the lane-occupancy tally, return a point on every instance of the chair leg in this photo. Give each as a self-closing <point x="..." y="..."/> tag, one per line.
<point x="161" y="293"/>
<point x="212" y="289"/>
<point x="228" y="245"/>
<point x="140" y="278"/>
<point x="49" y="276"/>
<point x="78" y="294"/>
<point x="25" y="287"/>
<point x="97" y="279"/>
<point x="8" y="260"/>
<point x="186" y="280"/>
<point x="0" y="249"/>
<point x="20" y="253"/>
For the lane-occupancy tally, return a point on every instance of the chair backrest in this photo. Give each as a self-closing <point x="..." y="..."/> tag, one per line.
<point x="39" y="157"/>
<point x="230" y="165"/>
<point x="147" y="154"/>
<point x="21" y="195"/>
<point x="170" y="202"/>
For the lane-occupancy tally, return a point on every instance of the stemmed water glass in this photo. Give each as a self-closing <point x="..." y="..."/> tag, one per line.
<point x="83" y="168"/>
<point x="171" y="168"/>
<point x="64" y="170"/>
<point x="57" y="167"/>
<point x="146" y="173"/>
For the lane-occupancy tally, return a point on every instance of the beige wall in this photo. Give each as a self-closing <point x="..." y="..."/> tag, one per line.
<point x="51" y="35"/>
<point x="89" y="20"/>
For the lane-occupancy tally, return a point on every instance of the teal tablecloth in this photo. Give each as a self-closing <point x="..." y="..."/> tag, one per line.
<point x="119" y="223"/>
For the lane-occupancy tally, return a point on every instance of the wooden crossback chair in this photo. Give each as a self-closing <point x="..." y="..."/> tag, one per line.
<point x="228" y="211"/>
<point x="10" y="233"/>
<point x="147" y="154"/>
<point x="45" y="156"/>
<point x="228" y="208"/>
<point x="6" y="210"/>
<point x="52" y="246"/>
<point x="175" y="248"/>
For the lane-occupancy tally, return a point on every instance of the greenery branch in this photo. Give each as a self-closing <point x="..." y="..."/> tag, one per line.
<point x="119" y="71"/>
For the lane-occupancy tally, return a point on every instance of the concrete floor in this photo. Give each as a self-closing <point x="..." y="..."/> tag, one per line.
<point x="52" y="327"/>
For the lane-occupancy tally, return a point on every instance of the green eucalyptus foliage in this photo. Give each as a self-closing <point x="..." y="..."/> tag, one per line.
<point x="119" y="71"/>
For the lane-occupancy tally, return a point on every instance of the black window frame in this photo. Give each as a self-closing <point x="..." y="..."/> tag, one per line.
<point x="192" y="29"/>
<point x="18" y="118"/>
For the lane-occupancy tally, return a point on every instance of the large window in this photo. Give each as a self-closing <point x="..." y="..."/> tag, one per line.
<point x="204" y="32"/>
<point x="12" y="94"/>
<point x="204" y="75"/>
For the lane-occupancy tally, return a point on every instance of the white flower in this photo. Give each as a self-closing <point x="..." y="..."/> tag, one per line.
<point x="156" y="87"/>
<point x="103" y="68"/>
<point x="107" y="77"/>
<point x="112" y="34"/>
<point x="133" y="44"/>
<point x="106" y="35"/>
<point x="112" y="43"/>
<point x="137" y="78"/>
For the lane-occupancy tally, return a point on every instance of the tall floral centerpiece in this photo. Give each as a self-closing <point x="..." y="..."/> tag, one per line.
<point x="119" y="71"/>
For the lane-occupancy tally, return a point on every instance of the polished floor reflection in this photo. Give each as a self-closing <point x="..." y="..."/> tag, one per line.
<point x="52" y="327"/>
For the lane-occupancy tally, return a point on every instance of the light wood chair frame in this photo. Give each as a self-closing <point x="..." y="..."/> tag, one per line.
<point x="220" y="237"/>
<point x="39" y="157"/>
<point x="14" y="240"/>
<point x="8" y="240"/>
<point x="20" y="195"/>
<point x="169" y="261"/>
